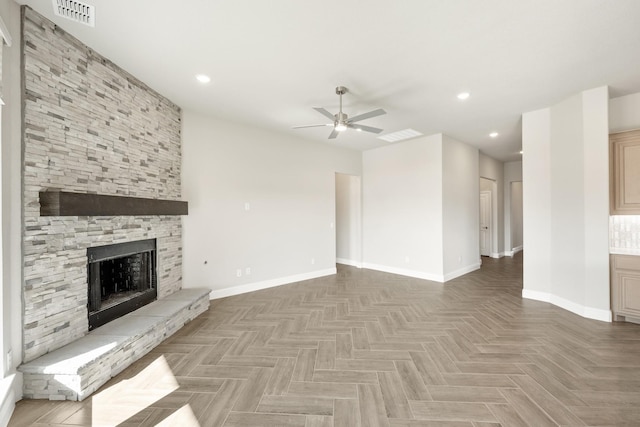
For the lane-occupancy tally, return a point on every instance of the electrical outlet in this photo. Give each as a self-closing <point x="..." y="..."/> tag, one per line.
<point x="239" y="272"/>
<point x="247" y="206"/>
<point x="247" y="271"/>
<point x="313" y="261"/>
<point x="9" y="360"/>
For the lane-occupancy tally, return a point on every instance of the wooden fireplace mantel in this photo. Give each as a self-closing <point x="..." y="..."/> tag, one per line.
<point x="62" y="203"/>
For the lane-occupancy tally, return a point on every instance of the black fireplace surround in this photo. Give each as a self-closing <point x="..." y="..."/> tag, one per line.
<point x="121" y="278"/>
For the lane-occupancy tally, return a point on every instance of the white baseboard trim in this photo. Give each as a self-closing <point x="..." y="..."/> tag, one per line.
<point x="404" y="272"/>
<point x="10" y="392"/>
<point x="461" y="271"/>
<point x="496" y="254"/>
<point x="580" y="310"/>
<point x="350" y="262"/>
<point x="513" y="251"/>
<point x="257" y="286"/>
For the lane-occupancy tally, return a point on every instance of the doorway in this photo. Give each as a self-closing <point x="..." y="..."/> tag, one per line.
<point x="348" y="220"/>
<point x="488" y="218"/>
<point x="485" y="223"/>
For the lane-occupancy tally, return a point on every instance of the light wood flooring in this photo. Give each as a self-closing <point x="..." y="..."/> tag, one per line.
<point x="365" y="348"/>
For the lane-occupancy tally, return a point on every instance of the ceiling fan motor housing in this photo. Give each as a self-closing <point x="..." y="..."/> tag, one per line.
<point x="341" y="117"/>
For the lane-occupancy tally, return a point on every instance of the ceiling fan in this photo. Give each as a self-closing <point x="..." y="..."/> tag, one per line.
<point x="342" y="122"/>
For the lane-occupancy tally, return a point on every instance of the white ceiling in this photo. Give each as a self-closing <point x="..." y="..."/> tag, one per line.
<point x="272" y="61"/>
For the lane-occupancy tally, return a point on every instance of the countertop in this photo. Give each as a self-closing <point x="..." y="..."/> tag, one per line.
<point x="624" y="251"/>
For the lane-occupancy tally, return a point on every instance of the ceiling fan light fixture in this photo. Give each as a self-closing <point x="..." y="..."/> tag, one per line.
<point x="340" y="127"/>
<point x="341" y="121"/>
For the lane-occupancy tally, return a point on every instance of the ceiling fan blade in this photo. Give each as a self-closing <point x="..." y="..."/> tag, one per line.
<point x="364" y="128"/>
<point x="324" y="113"/>
<point x="311" y="126"/>
<point x="333" y="134"/>
<point x="368" y="115"/>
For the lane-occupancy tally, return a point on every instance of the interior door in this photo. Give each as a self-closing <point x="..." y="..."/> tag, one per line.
<point x="485" y="223"/>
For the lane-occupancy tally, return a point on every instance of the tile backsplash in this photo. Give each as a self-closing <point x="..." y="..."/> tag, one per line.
<point x="624" y="234"/>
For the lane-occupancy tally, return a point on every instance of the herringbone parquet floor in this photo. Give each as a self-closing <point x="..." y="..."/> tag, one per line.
<point x="366" y="348"/>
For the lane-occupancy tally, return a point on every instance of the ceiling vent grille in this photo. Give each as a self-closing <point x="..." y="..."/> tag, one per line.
<point x="75" y="11"/>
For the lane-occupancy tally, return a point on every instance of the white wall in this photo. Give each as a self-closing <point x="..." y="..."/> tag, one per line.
<point x="595" y="113"/>
<point x="288" y="186"/>
<point x="565" y="174"/>
<point x="624" y="113"/>
<point x="348" y="220"/>
<point x="402" y="208"/>
<point x="421" y="203"/>
<point x="512" y="218"/>
<point x="536" y="218"/>
<point x="402" y="213"/>
<point x="567" y="199"/>
<point x="493" y="170"/>
<point x="461" y="208"/>
<point x="515" y="225"/>
<point x="11" y="383"/>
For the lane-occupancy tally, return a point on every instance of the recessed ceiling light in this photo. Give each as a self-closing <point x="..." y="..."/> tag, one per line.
<point x="463" y="95"/>
<point x="493" y="134"/>
<point x="203" y="78"/>
<point x="520" y="151"/>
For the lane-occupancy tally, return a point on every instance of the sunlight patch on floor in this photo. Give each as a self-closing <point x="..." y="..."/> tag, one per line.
<point x="125" y="399"/>
<point x="183" y="417"/>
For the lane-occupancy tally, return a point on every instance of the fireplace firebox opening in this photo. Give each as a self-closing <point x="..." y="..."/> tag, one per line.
<point x="121" y="278"/>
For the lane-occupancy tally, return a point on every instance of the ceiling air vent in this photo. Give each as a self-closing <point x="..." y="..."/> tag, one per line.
<point x="76" y="11"/>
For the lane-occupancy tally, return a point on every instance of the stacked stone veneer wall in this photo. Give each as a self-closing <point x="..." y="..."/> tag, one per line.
<point x="89" y="127"/>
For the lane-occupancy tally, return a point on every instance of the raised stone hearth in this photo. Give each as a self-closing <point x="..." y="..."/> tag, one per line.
<point x="78" y="369"/>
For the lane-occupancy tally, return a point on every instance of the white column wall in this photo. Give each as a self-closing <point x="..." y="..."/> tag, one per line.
<point x="460" y="208"/>
<point x="595" y="111"/>
<point x="402" y="208"/>
<point x="567" y="200"/>
<point x="536" y="173"/>
<point x="565" y="175"/>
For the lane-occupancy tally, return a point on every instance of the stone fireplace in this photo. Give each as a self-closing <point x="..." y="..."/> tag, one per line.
<point x="121" y="278"/>
<point x="89" y="128"/>
<point x="102" y="230"/>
